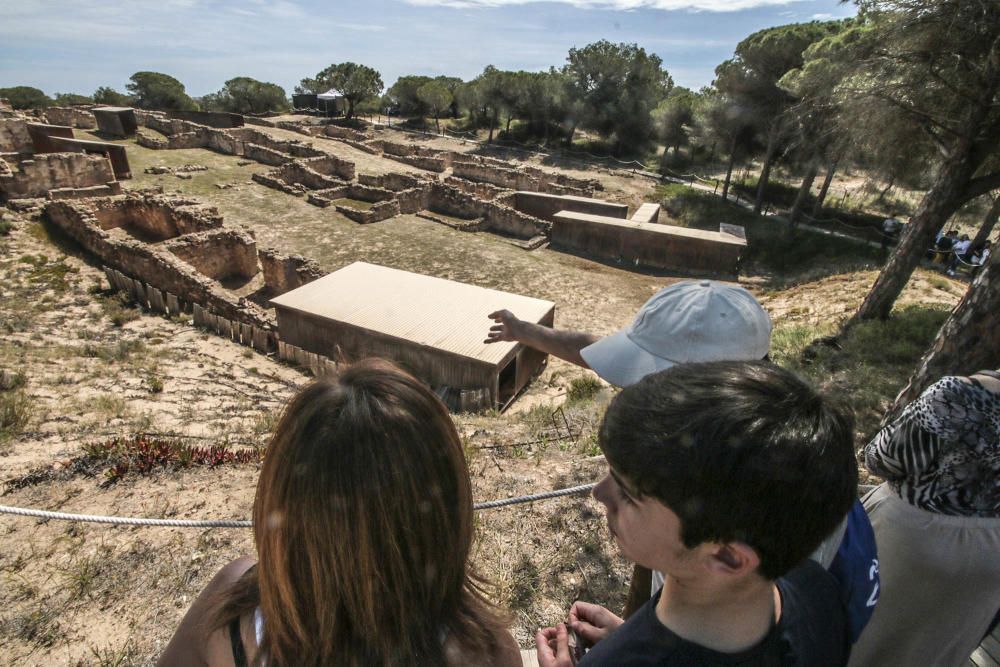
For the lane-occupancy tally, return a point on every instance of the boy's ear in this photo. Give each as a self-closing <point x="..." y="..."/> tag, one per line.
<point x="733" y="559"/>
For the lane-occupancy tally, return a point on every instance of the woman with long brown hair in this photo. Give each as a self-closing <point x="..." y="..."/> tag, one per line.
<point x="363" y="526"/>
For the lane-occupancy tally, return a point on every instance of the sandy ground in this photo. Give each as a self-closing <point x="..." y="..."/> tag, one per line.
<point x="84" y="594"/>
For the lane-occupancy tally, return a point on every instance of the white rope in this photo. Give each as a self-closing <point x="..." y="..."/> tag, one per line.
<point x="190" y="523"/>
<point x="123" y="521"/>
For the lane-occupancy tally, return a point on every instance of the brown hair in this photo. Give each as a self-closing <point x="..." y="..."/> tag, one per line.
<point x="363" y="524"/>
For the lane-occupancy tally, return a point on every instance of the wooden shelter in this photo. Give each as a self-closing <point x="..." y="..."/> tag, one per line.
<point x="432" y="327"/>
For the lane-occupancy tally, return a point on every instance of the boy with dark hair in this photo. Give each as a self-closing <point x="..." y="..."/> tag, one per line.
<point x="725" y="476"/>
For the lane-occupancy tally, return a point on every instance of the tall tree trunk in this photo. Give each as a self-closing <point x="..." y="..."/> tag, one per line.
<point x="493" y="122"/>
<point x="437" y="125"/>
<point x="821" y="197"/>
<point x="509" y="118"/>
<point x="711" y="153"/>
<point x="765" y="171"/>
<point x="350" y="108"/>
<point x="968" y="341"/>
<point x="989" y="221"/>
<point x="885" y="191"/>
<point x="663" y="160"/>
<point x="729" y="169"/>
<point x="569" y="137"/>
<point x="800" y="198"/>
<point x="939" y="204"/>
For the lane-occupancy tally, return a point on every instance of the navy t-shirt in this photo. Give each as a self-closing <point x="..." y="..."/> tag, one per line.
<point x="812" y="632"/>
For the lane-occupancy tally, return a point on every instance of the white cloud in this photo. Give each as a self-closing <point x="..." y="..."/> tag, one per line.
<point x="822" y="16"/>
<point x="621" y="5"/>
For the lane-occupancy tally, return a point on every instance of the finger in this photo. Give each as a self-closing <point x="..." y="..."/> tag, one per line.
<point x="591" y="634"/>
<point x="563" y="655"/>
<point x="497" y="328"/>
<point x="544" y="649"/>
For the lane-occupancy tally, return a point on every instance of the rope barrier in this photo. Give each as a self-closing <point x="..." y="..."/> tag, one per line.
<point x="243" y="523"/>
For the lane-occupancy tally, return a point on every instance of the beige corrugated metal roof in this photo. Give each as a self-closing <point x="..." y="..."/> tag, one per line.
<point x="439" y="313"/>
<point x="668" y="230"/>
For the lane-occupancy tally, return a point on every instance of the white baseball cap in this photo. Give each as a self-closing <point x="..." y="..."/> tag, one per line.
<point x="687" y="322"/>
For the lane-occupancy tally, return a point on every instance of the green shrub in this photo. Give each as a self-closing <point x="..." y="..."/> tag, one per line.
<point x="582" y="389"/>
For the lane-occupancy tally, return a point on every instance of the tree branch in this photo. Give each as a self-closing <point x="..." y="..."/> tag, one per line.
<point x="981" y="185"/>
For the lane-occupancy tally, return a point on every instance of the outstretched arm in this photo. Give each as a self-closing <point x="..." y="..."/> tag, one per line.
<point x="557" y="342"/>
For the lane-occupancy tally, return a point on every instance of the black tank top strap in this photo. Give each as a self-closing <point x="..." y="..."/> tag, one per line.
<point x="239" y="654"/>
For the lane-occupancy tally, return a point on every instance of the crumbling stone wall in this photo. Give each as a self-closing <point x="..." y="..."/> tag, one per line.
<point x="394" y="181"/>
<point x="283" y="273"/>
<point x="381" y="211"/>
<point x="496" y="217"/>
<point x="481" y="190"/>
<point x="14" y="137"/>
<point x="71" y="117"/>
<point x="297" y="178"/>
<point x="509" y="176"/>
<point x="153" y="219"/>
<point x="337" y="132"/>
<point x="221" y="254"/>
<point x="152" y="263"/>
<point x="331" y="165"/>
<point x="35" y="177"/>
<point x="265" y="155"/>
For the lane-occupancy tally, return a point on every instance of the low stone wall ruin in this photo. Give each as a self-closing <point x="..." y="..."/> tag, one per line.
<point x="481" y="190"/>
<point x="155" y="219"/>
<point x="180" y="267"/>
<point x="72" y="174"/>
<point x="14" y="137"/>
<point x="496" y="218"/>
<point x="283" y="273"/>
<point x="220" y="254"/>
<point x="71" y="116"/>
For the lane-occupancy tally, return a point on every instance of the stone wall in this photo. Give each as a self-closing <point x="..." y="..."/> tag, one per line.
<point x="71" y="116"/>
<point x="517" y="177"/>
<point x="392" y="181"/>
<point x="283" y="273"/>
<point x="337" y="132"/>
<point x="496" y="218"/>
<point x="221" y="254"/>
<point x="331" y="165"/>
<point x="56" y="171"/>
<point x="152" y="264"/>
<point x="486" y="191"/>
<point x="380" y="211"/>
<point x="14" y="137"/>
<point x="155" y="219"/>
<point x="265" y="155"/>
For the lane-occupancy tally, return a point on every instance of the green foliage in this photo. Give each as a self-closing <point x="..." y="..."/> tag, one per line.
<point x="248" y="96"/>
<point x="355" y="82"/>
<point x="673" y="119"/>
<point x="111" y="97"/>
<point x="69" y="99"/>
<point x="583" y="389"/>
<point x="769" y="245"/>
<point x="154" y="90"/>
<point x="25" y="97"/>
<point x="403" y="95"/>
<point x="436" y="96"/>
<point x="617" y="86"/>
<point x="6" y="226"/>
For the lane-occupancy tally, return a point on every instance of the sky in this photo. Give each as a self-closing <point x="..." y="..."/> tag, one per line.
<point x="75" y="46"/>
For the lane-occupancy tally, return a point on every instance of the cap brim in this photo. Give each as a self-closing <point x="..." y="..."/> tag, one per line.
<point x="620" y="361"/>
